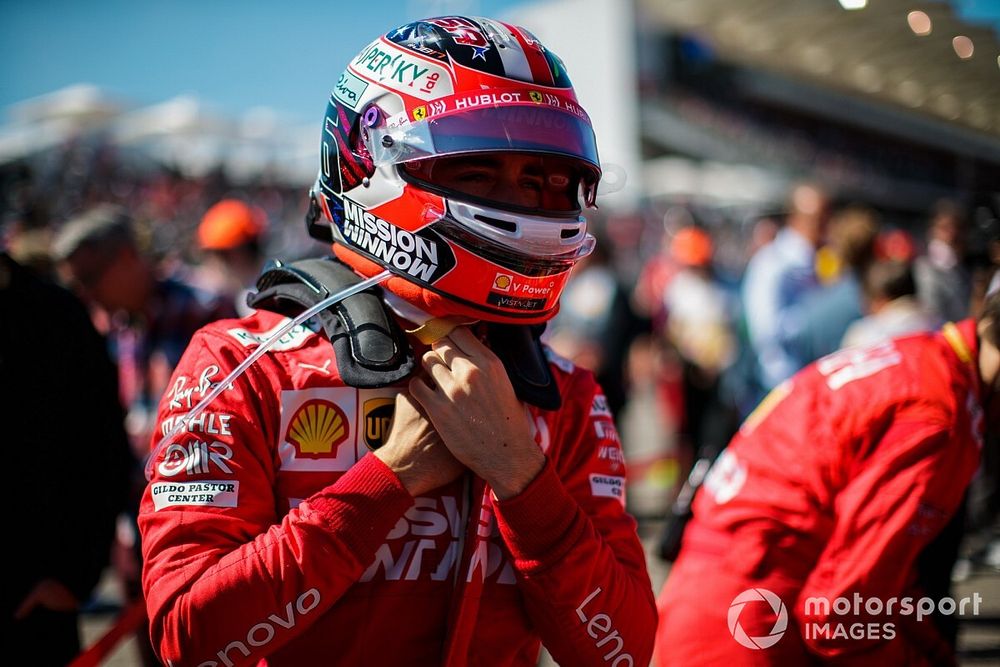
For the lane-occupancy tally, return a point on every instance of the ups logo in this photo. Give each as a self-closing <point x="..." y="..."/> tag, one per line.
<point x="377" y="420"/>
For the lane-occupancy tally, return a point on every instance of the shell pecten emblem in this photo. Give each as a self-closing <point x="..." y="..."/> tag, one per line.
<point x="317" y="429"/>
<point x="502" y="282"/>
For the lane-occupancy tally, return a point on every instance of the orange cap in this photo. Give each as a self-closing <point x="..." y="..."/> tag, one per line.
<point x="895" y="245"/>
<point x="691" y="246"/>
<point x="230" y="224"/>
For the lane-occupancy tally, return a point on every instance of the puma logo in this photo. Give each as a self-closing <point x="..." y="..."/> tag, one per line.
<point x="324" y="369"/>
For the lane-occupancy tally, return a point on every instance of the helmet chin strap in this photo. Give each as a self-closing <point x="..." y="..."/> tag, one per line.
<point x="266" y="345"/>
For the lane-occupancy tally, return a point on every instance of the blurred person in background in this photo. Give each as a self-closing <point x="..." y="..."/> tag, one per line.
<point x="699" y="331"/>
<point x="841" y="485"/>
<point x="659" y="270"/>
<point x="943" y="282"/>
<point x="778" y="279"/>
<point x="983" y="526"/>
<point x="699" y="327"/>
<point x="69" y="458"/>
<point x="654" y="369"/>
<point x="890" y="296"/>
<point x="229" y="237"/>
<point x="28" y="241"/>
<point x="762" y="233"/>
<point x="149" y="321"/>
<point x="596" y="324"/>
<point x="826" y="313"/>
<point x="983" y="255"/>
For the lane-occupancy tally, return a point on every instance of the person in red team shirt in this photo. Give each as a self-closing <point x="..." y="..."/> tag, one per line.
<point x="828" y="503"/>
<point x="452" y="495"/>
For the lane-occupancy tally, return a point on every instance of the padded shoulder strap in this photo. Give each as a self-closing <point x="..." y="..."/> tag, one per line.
<point x="371" y="349"/>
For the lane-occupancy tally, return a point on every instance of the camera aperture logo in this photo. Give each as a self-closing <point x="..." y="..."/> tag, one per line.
<point x="842" y="618"/>
<point x="756" y="596"/>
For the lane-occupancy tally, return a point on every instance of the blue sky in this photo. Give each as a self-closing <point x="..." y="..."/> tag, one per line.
<point x="233" y="55"/>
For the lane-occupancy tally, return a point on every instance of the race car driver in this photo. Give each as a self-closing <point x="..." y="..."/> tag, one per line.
<point x="813" y="532"/>
<point x="452" y="495"/>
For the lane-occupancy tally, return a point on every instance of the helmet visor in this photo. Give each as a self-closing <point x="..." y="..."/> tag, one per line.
<point x="530" y="183"/>
<point x="536" y="128"/>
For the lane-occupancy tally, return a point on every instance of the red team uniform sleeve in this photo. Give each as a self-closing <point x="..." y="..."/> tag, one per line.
<point x="224" y="579"/>
<point x="900" y="499"/>
<point x="579" y="563"/>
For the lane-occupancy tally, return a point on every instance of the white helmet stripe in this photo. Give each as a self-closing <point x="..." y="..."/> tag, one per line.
<point x="515" y="63"/>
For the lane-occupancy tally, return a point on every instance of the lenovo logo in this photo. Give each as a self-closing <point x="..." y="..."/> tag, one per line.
<point x="263" y="633"/>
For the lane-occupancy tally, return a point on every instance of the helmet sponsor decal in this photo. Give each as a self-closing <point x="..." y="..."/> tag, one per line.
<point x="514" y="302"/>
<point x="503" y="98"/>
<point x="502" y="282"/>
<point x="520" y="293"/>
<point x="422" y="255"/>
<point x="394" y="68"/>
<point x="349" y="89"/>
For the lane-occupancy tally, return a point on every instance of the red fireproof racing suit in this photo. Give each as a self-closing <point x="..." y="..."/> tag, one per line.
<point x="831" y="489"/>
<point x="269" y="531"/>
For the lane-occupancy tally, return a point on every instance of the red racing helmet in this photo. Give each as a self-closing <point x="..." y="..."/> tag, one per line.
<point x="445" y="89"/>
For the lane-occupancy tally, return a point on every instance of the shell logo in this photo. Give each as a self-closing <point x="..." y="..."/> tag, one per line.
<point x="317" y="429"/>
<point x="502" y="282"/>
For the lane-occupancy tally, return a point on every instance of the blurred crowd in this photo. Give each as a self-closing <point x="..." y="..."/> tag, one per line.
<point x="688" y="314"/>
<point x="691" y="319"/>
<point x="151" y="255"/>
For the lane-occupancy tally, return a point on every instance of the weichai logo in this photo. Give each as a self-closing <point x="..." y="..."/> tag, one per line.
<point x="317" y="429"/>
<point x="423" y="255"/>
<point x="377" y="420"/>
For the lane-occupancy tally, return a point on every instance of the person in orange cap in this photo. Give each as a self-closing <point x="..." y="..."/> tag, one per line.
<point x="699" y="327"/>
<point x="691" y="247"/>
<point x="229" y="236"/>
